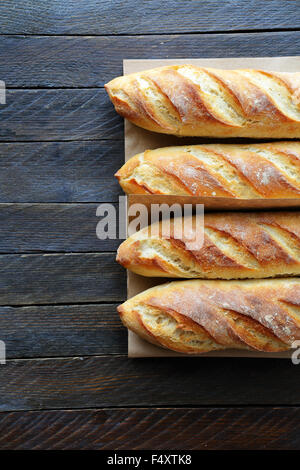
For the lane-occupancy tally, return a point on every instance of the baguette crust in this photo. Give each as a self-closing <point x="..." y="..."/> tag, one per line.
<point x="250" y="171"/>
<point x="235" y="246"/>
<point x="191" y="101"/>
<point x="200" y="316"/>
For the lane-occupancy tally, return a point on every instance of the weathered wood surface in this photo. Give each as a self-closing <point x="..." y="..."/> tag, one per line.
<point x="30" y="228"/>
<point x="62" y="330"/>
<point x="153" y="428"/>
<point x="39" y="115"/>
<point x="60" y="278"/>
<point x="86" y="114"/>
<point x="68" y="62"/>
<point x="107" y="381"/>
<point x="60" y="171"/>
<point x="60" y="143"/>
<point x="132" y="17"/>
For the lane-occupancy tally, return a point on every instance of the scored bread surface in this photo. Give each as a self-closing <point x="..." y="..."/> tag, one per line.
<point x="193" y="101"/>
<point x="249" y="171"/>
<point x="235" y="246"/>
<point x="200" y="316"/>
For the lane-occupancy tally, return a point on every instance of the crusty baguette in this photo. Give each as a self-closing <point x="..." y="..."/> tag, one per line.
<point x="217" y="170"/>
<point x="191" y="101"/>
<point x="199" y="316"/>
<point x="235" y="246"/>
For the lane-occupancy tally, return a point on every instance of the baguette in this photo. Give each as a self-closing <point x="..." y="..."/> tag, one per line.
<point x="217" y="170"/>
<point x="235" y="246"/>
<point x="191" y="101"/>
<point x="200" y="316"/>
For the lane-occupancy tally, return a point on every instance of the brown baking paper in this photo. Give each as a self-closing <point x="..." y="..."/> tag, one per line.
<point x="138" y="140"/>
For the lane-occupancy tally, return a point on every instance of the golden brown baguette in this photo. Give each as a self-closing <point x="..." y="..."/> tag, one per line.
<point x="191" y="101"/>
<point x="250" y="171"/>
<point x="200" y="316"/>
<point x="235" y="246"/>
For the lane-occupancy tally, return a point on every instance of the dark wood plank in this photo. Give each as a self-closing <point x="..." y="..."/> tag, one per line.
<point x="92" y="61"/>
<point x="60" y="278"/>
<point x="59" y="115"/>
<point x="131" y="17"/>
<point x="84" y="382"/>
<point x="60" y="171"/>
<point x="62" y="330"/>
<point x="30" y="228"/>
<point x="153" y="428"/>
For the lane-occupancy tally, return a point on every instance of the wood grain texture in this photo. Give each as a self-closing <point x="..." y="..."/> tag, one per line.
<point x="93" y="61"/>
<point x="111" y="381"/>
<point x="39" y="165"/>
<point x="34" y="228"/>
<point x="153" y="428"/>
<point x="58" y="115"/>
<point x="60" y="171"/>
<point x="60" y="278"/>
<point x="106" y="17"/>
<point x="62" y="330"/>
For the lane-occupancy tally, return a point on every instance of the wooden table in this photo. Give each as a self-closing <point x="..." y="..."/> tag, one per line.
<point x="68" y="383"/>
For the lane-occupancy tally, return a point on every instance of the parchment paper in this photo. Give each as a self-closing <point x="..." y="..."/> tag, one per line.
<point x="138" y="140"/>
